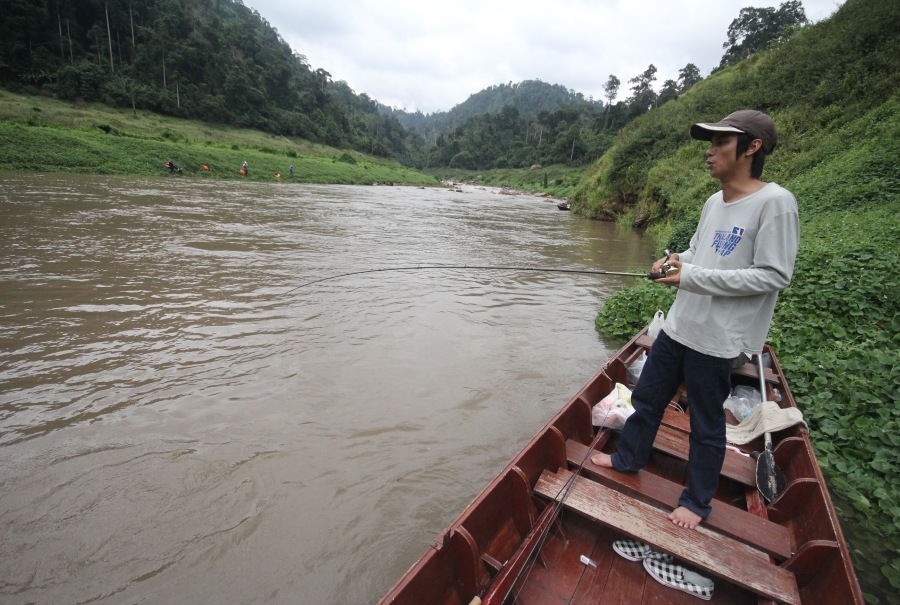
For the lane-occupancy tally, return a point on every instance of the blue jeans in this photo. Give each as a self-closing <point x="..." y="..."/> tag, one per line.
<point x="708" y="383"/>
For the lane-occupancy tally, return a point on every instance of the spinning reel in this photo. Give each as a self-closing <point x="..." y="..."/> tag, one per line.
<point x="666" y="269"/>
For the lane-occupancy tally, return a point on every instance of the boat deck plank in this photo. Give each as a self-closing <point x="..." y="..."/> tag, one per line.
<point x="676" y="443"/>
<point x="555" y="577"/>
<point x="614" y="580"/>
<point x="677" y="420"/>
<point x="734" y="522"/>
<point x="748" y="370"/>
<point x="718" y="555"/>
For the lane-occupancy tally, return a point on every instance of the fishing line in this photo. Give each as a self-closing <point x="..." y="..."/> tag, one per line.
<point x="474" y="267"/>
<point x="560" y="498"/>
<point x="559" y="502"/>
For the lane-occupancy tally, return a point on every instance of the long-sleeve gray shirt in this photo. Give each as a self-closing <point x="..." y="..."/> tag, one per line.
<point x="741" y="255"/>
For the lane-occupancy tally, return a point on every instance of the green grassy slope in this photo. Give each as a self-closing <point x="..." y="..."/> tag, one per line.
<point x="40" y="134"/>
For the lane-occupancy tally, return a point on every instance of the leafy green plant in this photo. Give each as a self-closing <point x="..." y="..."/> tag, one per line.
<point x="627" y="311"/>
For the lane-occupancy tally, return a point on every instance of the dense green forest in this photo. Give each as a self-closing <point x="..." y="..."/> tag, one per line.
<point x="834" y="91"/>
<point x="221" y="62"/>
<point x="526" y="130"/>
<point x="212" y="60"/>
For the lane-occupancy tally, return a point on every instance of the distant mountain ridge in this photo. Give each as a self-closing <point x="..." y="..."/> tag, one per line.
<point x="529" y="97"/>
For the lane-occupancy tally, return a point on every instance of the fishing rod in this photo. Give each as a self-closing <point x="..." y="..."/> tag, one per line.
<point x="667" y="270"/>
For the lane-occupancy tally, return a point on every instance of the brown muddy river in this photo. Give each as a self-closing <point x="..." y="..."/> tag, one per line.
<point x="178" y="426"/>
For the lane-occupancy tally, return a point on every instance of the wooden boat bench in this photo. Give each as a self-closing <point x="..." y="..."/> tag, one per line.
<point x="675" y="443"/>
<point x="748" y="370"/>
<point x="619" y="368"/>
<point x="703" y="548"/>
<point x="746" y="527"/>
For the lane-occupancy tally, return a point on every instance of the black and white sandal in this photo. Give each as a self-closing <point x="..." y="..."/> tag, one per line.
<point x="680" y="578"/>
<point x="634" y="550"/>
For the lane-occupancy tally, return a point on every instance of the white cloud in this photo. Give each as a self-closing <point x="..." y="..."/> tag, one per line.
<point x="432" y="55"/>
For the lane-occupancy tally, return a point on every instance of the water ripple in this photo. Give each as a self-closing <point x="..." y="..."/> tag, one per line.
<point x="179" y="422"/>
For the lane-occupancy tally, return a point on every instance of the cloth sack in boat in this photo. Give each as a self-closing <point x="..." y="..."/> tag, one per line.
<point x="767" y="416"/>
<point x="613" y="410"/>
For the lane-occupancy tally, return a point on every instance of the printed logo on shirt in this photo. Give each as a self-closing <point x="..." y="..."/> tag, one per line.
<point x="726" y="241"/>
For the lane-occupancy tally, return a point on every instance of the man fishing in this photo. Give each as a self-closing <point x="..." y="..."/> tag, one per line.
<point x="740" y="257"/>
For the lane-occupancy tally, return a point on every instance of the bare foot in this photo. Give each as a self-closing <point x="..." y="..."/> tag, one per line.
<point x="683" y="517"/>
<point x="601" y="459"/>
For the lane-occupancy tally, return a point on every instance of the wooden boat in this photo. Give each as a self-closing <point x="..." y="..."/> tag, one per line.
<point x="515" y="544"/>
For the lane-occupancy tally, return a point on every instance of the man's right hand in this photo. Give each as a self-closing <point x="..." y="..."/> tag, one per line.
<point x="657" y="266"/>
<point x="674" y="278"/>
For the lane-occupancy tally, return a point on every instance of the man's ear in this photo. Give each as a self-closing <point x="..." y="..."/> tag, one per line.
<point x="755" y="145"/>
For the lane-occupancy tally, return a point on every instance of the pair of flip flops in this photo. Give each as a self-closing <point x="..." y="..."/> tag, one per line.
<point x="661" y="568"/>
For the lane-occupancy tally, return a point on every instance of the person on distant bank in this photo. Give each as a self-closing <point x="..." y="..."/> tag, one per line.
<point x="740" y="257"/>
<point x="246" y="168"/>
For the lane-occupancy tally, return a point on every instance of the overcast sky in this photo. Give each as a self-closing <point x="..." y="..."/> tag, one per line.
<point x="430" y="55"/>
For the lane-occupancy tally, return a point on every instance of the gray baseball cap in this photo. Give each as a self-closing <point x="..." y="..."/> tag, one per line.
<point x="755" y="123"/>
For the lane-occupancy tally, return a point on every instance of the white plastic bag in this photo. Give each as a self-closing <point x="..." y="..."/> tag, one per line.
<point x="656" y="325"/>
<point x="613" y="410"/>
<point x="636" y="367"/>
<point x="742" y="401"/>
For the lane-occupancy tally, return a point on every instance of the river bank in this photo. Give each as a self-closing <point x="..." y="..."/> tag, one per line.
<point x="557" y="182"/>
<point x="40" y="134"/>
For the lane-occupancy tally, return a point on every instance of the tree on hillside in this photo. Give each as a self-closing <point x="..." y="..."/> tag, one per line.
<point x="611" y="88"/>
<point x="668" y="93"/>
<point x="643" y="97"/>
<point x="756" y="28"/>
<point x="611" y="91"/>
<point x="687" y="77"/>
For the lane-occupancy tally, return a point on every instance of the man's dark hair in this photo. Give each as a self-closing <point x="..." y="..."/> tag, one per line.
<point x="759" y="158"/>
